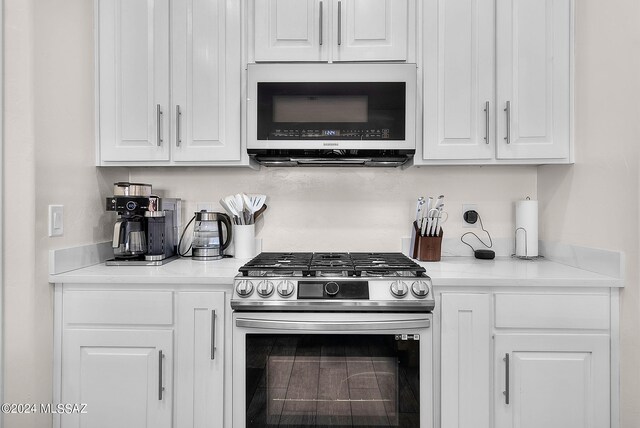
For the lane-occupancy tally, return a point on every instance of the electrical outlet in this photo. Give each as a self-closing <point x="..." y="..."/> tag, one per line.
<point x="206" y="206"/>
<point x="465" y="208"/>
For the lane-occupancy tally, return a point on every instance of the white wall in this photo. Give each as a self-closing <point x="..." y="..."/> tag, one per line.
<point x="603" y="184"/>
<point x="351" y="209"/>
<point x="49" y="158"/>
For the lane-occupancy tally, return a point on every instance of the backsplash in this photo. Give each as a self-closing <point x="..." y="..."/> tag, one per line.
<point x="351" y="209"/>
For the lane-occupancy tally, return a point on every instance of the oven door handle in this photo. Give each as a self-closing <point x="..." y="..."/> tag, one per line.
<point x="332" y="325"/>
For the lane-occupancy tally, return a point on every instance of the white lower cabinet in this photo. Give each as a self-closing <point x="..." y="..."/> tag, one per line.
<point x="200" y="360"/>
<point x="548" y="354"/>
<point x="123" y="376"/>
<point x="552" y="381"/>
<point x="465" y="364"/>
<point x="141" y="358"/>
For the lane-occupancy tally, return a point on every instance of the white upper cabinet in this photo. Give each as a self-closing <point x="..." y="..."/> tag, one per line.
<point x="370" y="30"/>
<point x="497" y="81"/>
<point x="133" y="69"/>
<point x="459" y="92"/>
<point x="169" y="82"/>
<point x="534" y="40"/>
<point x="205" y="81"/>
<point x="291" y="30"/>
<point x="331" y="30"/>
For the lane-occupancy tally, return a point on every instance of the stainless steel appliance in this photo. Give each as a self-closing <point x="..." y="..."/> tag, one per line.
<point x="331" y="114"/>
<point x="146" y="228"/>
<point x="332" y="339"/>
<point x="209" y="240"/>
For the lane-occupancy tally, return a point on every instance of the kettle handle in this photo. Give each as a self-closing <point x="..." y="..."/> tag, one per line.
<point x="227" y="221"/>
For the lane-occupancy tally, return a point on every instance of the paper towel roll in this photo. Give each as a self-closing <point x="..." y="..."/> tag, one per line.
<point x="527" y="219"/>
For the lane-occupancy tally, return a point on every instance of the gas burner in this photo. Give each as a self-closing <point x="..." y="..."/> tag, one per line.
<point x="332" y="264"/>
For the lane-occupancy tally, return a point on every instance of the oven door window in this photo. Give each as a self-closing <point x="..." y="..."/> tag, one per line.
<point x="331" y="111"/>
<point x="332" y="381"/>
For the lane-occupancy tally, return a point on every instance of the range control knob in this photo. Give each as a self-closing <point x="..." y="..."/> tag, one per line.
<point x="285" y="288"/>
<point x="244" y="288"/>
<point x="331" y="288"/>
<point x="399" y="289"/>
<point x="420" y="289"/>
<point x="265" y="288"/>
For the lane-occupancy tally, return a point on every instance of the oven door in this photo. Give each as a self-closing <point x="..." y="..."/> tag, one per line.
<point x="332" y="370"/>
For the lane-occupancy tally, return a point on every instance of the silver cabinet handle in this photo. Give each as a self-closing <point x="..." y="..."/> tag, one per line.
<point x="321" y="10"/>
<point x="339" y="23"/>
<point x="332" y="326"/>
<point x="486" y="122"/>
<point x="160" y="387"/>
<point x="213" y="335"/>
<point x="159" y="124"/>
<point x="506" y="378"/>
<point x="178" y="118"/>
<point x="508" y="111"/>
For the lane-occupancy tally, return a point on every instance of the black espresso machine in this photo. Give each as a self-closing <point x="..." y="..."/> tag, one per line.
<point x="146" y="230"/>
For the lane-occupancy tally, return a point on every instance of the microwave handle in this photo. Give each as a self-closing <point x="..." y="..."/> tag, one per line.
<point x="332" y="325"/>
<point x="357" y="161"/>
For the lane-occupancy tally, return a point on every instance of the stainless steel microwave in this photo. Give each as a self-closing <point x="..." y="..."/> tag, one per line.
<point x="331" y="114"/>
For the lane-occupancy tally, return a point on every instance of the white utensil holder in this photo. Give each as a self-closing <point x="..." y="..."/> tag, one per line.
<point x="244" y="241"/>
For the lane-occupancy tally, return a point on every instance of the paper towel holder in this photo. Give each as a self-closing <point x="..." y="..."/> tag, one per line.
<point x="526" y="247"/>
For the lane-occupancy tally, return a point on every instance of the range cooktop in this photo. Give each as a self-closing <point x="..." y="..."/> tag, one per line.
<point x="333" y="282"/>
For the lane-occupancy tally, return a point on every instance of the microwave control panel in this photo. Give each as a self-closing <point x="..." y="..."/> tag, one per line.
<point x="342" y="134"/>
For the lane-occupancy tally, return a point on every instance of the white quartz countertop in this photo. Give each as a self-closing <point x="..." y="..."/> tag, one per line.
<point x="450" y="272"/>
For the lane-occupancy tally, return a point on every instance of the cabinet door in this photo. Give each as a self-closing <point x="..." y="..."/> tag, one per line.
<point x="459" y="108"/>
<point x="206" y="69"/>
<point x="200" y="360"/>
<point x="554" y="381"/>
<point x="118" y="374"/>
<point x="133" y="83"/>
<point x="465" y="361"/>
<point x="370" y="30"/>
<point x="291" y="30"/>
<point x="534" y="48"/>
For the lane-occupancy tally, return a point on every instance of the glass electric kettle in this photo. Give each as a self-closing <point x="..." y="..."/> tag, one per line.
<point x="209" y="241"/>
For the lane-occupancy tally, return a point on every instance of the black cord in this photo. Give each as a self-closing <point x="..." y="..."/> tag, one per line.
<point x="477" y="237"/>
<point x="182" y="236"/>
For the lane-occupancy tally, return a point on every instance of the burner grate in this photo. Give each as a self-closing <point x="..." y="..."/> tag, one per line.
<point x="332" y="264"/>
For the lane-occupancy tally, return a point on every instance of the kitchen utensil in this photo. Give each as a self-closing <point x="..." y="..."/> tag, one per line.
<point x="229" y="211"/>
<point x="258" y="213"/>
<point x="235" y="209"/>
<point x="419" y="210"/>
<point x="208" y="241"/>
<point x="440" y="219"/>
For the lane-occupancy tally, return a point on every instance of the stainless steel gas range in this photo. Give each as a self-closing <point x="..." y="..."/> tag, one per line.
<point x="332" y="340"/>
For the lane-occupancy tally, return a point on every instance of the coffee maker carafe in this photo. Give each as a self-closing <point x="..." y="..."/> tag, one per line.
<point x="129" y="237"/>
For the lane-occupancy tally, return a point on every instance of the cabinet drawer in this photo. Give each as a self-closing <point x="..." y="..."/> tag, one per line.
<point x="568" y="311"/>
<point x="118" y="307"/>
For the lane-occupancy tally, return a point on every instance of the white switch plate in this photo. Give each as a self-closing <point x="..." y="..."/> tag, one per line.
<point x="56" y="220"/>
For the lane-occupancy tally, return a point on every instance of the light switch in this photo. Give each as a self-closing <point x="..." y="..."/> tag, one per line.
<point x="56" y="220"/>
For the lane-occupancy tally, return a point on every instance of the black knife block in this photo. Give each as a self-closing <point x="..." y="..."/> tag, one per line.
<point x="426" y="248"/>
